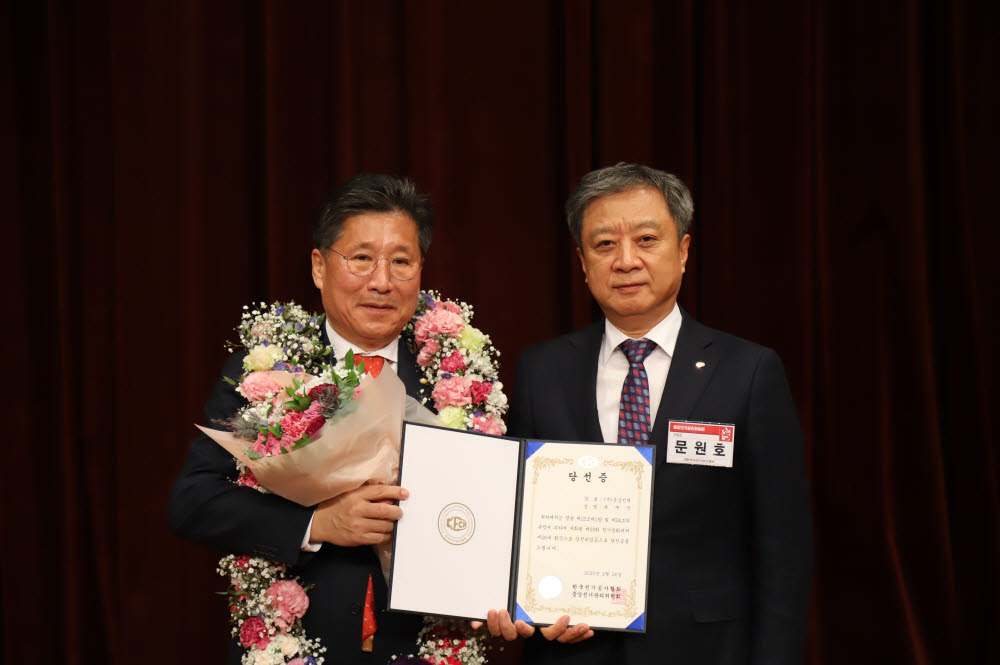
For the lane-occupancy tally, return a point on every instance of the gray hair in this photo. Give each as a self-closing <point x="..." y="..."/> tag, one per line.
<point x="372" y="192"/>
<point x="623" y="177"/>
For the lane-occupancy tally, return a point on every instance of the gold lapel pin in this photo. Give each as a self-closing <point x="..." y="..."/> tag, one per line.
<point x="699" y="364"/>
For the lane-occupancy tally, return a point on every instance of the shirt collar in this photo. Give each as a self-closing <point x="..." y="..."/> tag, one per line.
<point x="341" y="346"/>
<point x="663" y="333"/>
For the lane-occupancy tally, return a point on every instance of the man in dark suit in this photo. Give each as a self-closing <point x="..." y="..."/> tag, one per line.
<point x="370" y="239"/>
<point x="731" y="552"/>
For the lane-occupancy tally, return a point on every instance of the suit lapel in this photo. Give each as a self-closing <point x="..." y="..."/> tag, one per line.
<point x="406" y="370"/>
<point x="581" y="379"/>
<point x="685" y="380"/>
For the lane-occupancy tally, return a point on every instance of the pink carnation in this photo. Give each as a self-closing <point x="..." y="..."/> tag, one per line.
<point x="289" y="601"/>
<point x="258" y="385"/>
<point x="437" y="322"/>
<point x="452" y="392"/>
<point x="454" y="362"/>
<point x="427" y="352"/>
<point x="452" y="307"/>
<point x="247" y="479"/>
<point x="297" y="424"/>
<point x="486" y="425"/>
<point x="480" y="391"/>
<point x="267" y="444"/>
<point x="253" y="633"/>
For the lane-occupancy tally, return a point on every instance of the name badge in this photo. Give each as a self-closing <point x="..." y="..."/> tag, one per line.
<point x="703" y="444"/>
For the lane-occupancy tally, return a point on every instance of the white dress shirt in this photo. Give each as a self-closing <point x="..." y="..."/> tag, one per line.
<point x="612" y="368"/>
<point x="340" y="348"/>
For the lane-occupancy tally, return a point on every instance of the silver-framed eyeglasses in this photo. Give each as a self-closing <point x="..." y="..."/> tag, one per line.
<point x="402" y="268"/>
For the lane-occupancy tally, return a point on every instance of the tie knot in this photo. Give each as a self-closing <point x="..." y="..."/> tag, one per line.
<point x="636" y="350"/>
<point x="373" y="364"/>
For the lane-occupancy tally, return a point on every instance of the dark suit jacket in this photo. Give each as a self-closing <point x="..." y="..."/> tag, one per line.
<point x="731" y="548"/>
<point x="206" y="507"/>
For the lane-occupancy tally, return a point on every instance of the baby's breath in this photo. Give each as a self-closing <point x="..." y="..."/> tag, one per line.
<point x="480" y="360"/>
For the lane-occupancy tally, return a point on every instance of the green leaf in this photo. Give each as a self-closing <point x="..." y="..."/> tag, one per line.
<point x="298" y="403"/>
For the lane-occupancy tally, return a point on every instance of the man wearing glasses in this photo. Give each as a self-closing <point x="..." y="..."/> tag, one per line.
<point x="370" y="239"/>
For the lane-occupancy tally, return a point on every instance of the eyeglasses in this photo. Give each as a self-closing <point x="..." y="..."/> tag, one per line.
<point x="401" y="267"/>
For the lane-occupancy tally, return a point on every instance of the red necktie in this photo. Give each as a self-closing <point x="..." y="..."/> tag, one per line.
<point x="373" y="365"/>
<point x="368" y="625"/>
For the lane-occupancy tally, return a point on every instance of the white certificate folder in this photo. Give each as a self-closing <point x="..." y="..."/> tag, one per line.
<point x="541" y="528"/>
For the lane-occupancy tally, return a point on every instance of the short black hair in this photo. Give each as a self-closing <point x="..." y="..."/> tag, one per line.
<point x="372" y="192"/>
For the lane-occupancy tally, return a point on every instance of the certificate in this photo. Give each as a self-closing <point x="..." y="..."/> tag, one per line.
<point x="542" y="528"/>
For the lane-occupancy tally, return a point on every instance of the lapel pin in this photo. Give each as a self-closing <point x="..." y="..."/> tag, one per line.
<point x="699" y="364"/>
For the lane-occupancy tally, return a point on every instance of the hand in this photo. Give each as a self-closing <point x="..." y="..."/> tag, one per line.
<point x="360" y="517"/>
<point x="499" y="624"/>
<point x="561" y="631"/>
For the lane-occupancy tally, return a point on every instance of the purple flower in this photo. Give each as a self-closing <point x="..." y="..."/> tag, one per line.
<point x="445" y="375"/>
<point x="279" y="310"/>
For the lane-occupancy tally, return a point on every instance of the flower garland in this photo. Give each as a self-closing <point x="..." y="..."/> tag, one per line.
<point x="449" y="642"/>
<point x="460" y="367"/>
<point x="459" y="363"/>
<point x="266" y="610"/>
<point x="281" y="337"/>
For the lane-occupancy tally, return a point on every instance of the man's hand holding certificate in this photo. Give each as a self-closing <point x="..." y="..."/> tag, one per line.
<point x="543" y="529"/>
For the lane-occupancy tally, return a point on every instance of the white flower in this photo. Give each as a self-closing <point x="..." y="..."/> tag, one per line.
<point x="287" y="644"/>
<point x="264" y="658"/>
<point x="262" y="358"/>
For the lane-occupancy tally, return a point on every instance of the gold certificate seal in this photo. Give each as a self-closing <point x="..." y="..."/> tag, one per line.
<point x="456" y="523"/>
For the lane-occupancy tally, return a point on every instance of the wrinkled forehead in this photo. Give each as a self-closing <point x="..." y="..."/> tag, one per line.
<point x="628" y="213"/>
<point x="383" y="232"/>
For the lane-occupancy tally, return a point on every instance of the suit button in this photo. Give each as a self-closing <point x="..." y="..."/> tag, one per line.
<point x="355" y="608"/>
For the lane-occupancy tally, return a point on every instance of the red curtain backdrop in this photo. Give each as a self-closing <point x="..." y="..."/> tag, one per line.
<point x="162" y="162"/>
